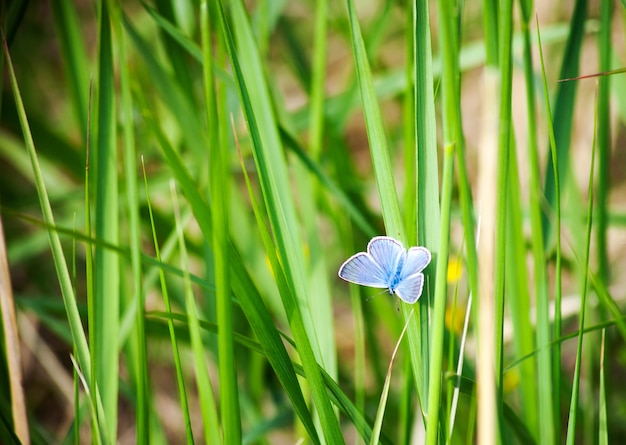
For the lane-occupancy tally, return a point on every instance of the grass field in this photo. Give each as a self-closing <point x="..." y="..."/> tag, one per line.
<point x="181" y="181"/>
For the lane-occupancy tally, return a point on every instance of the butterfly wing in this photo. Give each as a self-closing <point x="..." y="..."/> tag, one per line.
<point x="410" y="288"/>
<point x="364" y="270"/>
<point x="417" y="259"/>
<point x="388" y="253"/>
<point x="411" y="283"/>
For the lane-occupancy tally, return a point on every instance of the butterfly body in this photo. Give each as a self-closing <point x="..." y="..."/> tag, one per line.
<point x="387" y="264"/>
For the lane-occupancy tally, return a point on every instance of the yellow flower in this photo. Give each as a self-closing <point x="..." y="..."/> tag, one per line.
<point x="455" y="269"/>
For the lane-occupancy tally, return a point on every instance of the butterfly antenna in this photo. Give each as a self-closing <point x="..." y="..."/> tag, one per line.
<point x="376" y="294"/>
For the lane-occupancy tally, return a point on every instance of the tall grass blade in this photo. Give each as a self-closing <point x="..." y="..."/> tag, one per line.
<point x="279" y="204"/>
<point x="529" y="395"/>
<point x="564" y="112"/>
<point x="604" y="138"/>
<point x="439" y="312"/>
<point x="219" y="181"/>
<point x="74" y="58"/>
<point x="506" y="173"/>
<point x="106" y="263"/>
<point x="548" y="416"/>
<point x="427" y="169"/>
<point x="137" y="347"/>
<point x="69" y="298"/>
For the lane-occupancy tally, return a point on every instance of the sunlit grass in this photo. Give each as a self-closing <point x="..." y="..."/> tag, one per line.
<point x="235" y="155"/>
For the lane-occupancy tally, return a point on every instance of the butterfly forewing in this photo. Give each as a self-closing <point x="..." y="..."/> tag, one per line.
<point x="388" y="253"/>
<point x="410" y="288"/>
<point x="362" y="269"/>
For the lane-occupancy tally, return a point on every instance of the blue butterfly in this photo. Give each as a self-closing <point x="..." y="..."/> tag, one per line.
<point x="387" y="264"/>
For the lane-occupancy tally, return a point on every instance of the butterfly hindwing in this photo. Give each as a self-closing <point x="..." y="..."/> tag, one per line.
<point x="364" y="270"/>
<point x="410" y="288"/>
<point x="417" y="259"/>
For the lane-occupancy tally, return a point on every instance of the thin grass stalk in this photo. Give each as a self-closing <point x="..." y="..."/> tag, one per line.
<point x="604" y="137"/>
<point x="548" y="417"/>
<point x="380" y="413"/>
<point x="180" y="379"/>
<point x="89" y="249"/>
<point x="573" y="409"/>
<point x="137" y="360"/>
<point x="428" y="213"/>
<point x="603" y="426"/>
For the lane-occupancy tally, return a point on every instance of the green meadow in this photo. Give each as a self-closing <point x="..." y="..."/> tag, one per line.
<point x="180" y="182"/>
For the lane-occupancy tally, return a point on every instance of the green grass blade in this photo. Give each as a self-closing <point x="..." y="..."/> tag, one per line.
<point x="439" y="311"/>
<point x="564" y="111"/>
<point x="180" y="379"/>
<point x="571" y="425"/>
<point x="603" y="426"/>
<point x="251" y="303"/>
<point x="137" y="346"/>
<point x="518" y="302"/>
<point x="528" y="391"/>
<point x="69" y="298"/>
<point x="74" y="57"/>
<point x="219" y="178"/>
<point x="380" y="413"/>
<point x="506" y="173"/>
<point x="208" y="407"/>
<point x="604" y="138"/>
<point x="106" y="263"/>
<point x="427" y="168"/>
<point x="276" y="191"/>
<point x="381" y="161"/>
<point x="547" y="414"/>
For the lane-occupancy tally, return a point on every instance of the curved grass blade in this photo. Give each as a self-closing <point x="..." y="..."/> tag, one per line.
<point x="380" y="413"/>
<point x="69" y="298"/>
